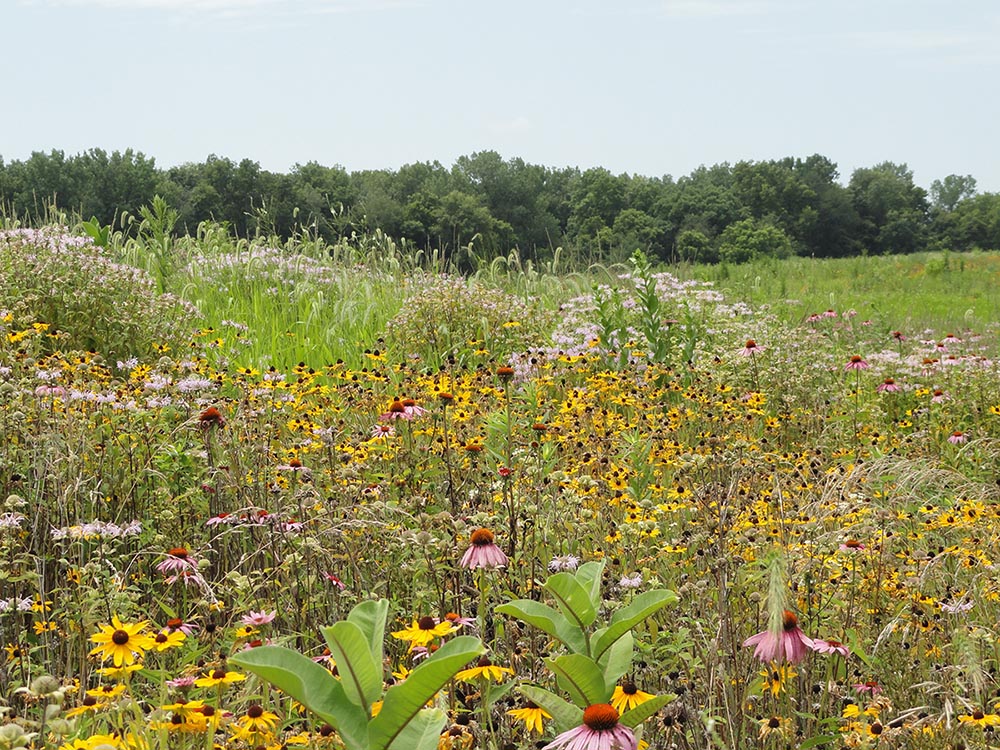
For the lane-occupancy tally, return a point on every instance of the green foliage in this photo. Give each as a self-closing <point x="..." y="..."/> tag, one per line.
<point x="595" y="659"/>
<point x="749" y="240"/>
<point x="90" y="301"/>
<point x="495" y="205"/>
<point x="404" y="722"/>
<point x="442" y="314"/>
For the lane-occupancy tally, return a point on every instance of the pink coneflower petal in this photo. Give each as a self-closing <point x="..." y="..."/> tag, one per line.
<point x="258" y="618"/>
<point x="483" y="553"/>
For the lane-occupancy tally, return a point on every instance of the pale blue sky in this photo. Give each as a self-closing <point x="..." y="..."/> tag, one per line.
<point x="651" y="87"/>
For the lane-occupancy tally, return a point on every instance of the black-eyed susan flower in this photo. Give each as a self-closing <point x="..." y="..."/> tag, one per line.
<point x="979" y="718"/>
<point x="258" y="721"/>
<point x="774" y="725"/>
<point x="532" y="715"/>
<point x="423" y="631"/>
<point x="628" y="696"/>
<point x="218" y="677"/>
<point x="484" y="669"/>
<point x="167" y="639"/>
<point x="123" y="643"/>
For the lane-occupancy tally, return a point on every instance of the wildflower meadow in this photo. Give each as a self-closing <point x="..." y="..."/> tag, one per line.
<point x="308" y="495"/>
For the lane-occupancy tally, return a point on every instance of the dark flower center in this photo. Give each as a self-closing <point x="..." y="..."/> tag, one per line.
<point x="426" y="623"/>
<point x="789" y="621"/>
<point x="255" y="711"/>
<point x="774" y="722"/>
<point x="119" y="637"/>
<point x="600" y="716"/>
<point x="629" y="688"/>
<point x="482" y="537"/>
<point x="978" y="715"/>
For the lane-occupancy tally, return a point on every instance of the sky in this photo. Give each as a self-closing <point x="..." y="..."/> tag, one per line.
<point x="650" y="87"/>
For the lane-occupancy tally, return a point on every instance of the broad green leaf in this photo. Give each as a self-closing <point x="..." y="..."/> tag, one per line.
<point x="628" y="617"/>
<point x="580" y="676"/>
<point x="589" y="576"/>
<point x="360" y="676"/>
<point x="546" y="619"/>
<point x="617" y="660"/>
<point x="370" y="616"/>
<point x="423" y="732"/>
<point x="404" y="701"/>
<point x="854" y="643"/>
<point x="643" y="711"/>
<point x="309" y="684"/>
<point x="572" y="598"/>
<point x="564" y="714"/>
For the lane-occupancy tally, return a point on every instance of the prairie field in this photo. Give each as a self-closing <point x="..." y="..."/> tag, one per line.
<point x="311" y="495"/>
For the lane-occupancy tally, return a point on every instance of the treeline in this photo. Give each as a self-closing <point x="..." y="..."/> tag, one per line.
<point x="730" y="212"/>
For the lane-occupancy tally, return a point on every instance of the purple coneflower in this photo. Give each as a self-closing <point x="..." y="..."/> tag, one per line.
<point x="750" y="348"/>
<point x="830" y="647"/>
<point x="177" y="624"/>
<point x="852" y="545"/>
<point x="957" y="437"/>
<point x="412" y="408"/>
<point x="856" y="362"/>
<point x="397" y="410"/>
<point x="258" y="618"/>
<point x="334" y="580"/>
<point x="382" y="431"/>
<point x="177" y="560"/>
<point x="600" y="731"/>
<point x="483" y="553"/>
<point x="872" y="688"/>
<point x="888" y="385"/>
<point x="790" y="643"/>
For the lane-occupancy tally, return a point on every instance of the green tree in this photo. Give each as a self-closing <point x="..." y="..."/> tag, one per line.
<point x="893" y="210"/>
<point x="946" y="194"/>
<point x="750" y="239"/>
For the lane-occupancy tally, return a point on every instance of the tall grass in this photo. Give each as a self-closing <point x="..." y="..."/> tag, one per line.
<point x="925" y="290"/>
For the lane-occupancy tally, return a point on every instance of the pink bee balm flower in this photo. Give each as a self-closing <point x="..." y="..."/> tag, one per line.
<point x="957" y="437"/>
<point x="830" y="647"/>
<point x="600" y="731"/>
<point x="484" y="552"/>
<point x="258" y="618"/>
<point x="856" y="362"/>
<point x="790" y="644"/>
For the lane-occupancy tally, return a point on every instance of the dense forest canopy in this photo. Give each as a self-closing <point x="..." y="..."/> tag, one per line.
<point x="730" y="212"/>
